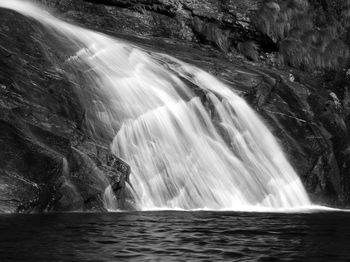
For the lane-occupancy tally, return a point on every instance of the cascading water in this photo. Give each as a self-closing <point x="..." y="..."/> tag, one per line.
<point x="185" y="152"/>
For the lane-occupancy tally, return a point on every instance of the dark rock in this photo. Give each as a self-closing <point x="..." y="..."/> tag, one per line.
<point x="50" y="161"/>
<point x="43" y="121"/>
<point x="221" y="23"/>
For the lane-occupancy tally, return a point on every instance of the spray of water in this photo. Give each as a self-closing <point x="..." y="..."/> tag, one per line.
<point x="185" y="152"/>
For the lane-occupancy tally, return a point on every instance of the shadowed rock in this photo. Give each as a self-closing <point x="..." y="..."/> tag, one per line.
<point x="49" y="159"/>
<point x="41" y="118"/>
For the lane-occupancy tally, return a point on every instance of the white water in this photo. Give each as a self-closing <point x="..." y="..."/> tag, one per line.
<point x="180" y="157"/>
<point x="109" y="199"/>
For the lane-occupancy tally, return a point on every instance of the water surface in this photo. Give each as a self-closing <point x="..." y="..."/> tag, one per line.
<point x="175" y="236"/>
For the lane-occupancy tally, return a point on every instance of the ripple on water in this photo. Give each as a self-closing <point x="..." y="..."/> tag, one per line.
<point x="175" y="236"/>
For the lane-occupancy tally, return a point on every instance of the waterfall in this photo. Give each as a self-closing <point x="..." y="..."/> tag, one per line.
<point x="188" y="149"/>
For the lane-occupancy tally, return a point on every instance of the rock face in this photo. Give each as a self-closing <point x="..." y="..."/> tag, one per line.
<point x="52" y="162"/>
<point x="224" y="23"/>
<point x="313" y="128"/>
<point x="47" y="160"/>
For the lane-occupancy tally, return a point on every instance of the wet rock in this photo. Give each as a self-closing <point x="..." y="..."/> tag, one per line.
<point x="311" y="118"/>
<point x="49" y="158"/>
<point x="220" y="23"/>
<point x="87" y="180"/>
<point x="312" y="127"/>
<point x="118" y="172"/>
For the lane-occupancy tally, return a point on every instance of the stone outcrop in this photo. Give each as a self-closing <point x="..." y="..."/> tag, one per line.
<point x="53" y="163"/>
<point x="313" y="129"/>
<point x="48" y="160"/>
<point x="223" y="23"/>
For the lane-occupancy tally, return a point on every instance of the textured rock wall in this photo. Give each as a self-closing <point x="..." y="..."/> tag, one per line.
<point x="223" y="23"/>
<point x="310" y="117"/>
<point x="48" y="160"/>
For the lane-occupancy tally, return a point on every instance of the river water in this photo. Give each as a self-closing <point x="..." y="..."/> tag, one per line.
<point x="176" y="236"/>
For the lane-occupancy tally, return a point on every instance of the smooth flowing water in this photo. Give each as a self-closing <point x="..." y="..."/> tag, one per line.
<point x="192" y="143"/>
<point x="176" y="236"/>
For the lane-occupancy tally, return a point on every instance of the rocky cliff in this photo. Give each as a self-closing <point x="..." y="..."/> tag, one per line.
<point x="49" y="161"/>
<point x="52" y="162"/>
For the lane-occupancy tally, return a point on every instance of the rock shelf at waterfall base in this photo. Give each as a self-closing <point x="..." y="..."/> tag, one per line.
<point x="94" y="120"/>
